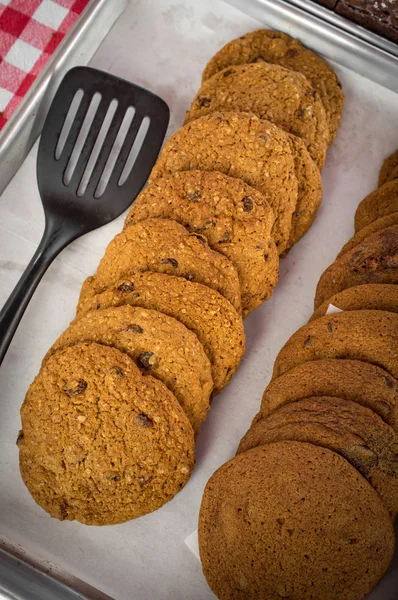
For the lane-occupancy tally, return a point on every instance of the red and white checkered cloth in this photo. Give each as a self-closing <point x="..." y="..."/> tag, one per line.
<point x="30" y="31"/>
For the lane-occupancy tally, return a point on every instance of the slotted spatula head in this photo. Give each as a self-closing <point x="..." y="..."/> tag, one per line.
<point x="99" y="142"/>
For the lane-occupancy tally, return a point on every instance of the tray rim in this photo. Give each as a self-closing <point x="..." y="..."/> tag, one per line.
<point x="339" y="21"/>
<point x="272" y="12"/>
<point x="23" y="577"/>
<point x="339" y="45"/>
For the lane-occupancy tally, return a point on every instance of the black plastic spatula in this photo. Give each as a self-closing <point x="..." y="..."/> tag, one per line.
<point x="99" y="143"/>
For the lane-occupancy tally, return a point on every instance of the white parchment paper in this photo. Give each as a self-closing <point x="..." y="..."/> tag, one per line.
<point x="164" y="45"/>
<point x="332" y="309"/>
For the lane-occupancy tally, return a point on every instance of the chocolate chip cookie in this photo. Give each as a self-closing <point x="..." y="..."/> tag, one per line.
<point x="393" y="175"/>
<point x="264" y="45"/>
<point x="365" y="232"/>
<point x="353" y="380"/>
<point x="388" y="166"/>
<point x="101" y="443"/>
<point x="271" y="92"/>
<point x="165" y="246"/>
<point x="379" y="203"/>
<point x="235" y="219"/>
<point x="345" y="427"/>
<point x="160" y="346"/>
<point x="369" y="335"/>
<point x="309" y="196"/>
<point x="243" y="146"/>
<point x="288" y="519"/>
<point x="209" y="315"/>
<point x="375" y="260"/>
<point x="372" y="296"/>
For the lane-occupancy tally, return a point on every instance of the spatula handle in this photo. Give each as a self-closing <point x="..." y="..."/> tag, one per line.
<point x="57" y="235"/>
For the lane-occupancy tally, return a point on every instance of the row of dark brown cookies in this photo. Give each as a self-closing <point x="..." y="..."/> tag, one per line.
<point x="306" y="508"/>
<point x="159" y="330"/>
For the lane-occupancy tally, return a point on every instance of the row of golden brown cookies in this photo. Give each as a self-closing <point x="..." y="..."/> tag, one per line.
<point x="110" y="422"/>
<point x="306" y="508"/>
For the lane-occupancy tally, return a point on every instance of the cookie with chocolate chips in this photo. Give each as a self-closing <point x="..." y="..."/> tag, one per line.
<point x="372" y="296"/>
<point x="388" y="166"/>
<point x="369" y="335"/>
<point x="353" y="380"/>
<point x="374" y="227"/>
<point x="160" y="346"/>
<point x="165" y="246"/>
<point x="309" y="195"/>
<point x="345" y="427"/>
<point x="377" y="204"/>
<point x="289" y="519"/>
<point x="235" y="219"/>
<point x="264" y="45"/>
<point x="239" y="145"/>
<point x="101" y="443"/>
<point x="201" y="309"/>
<point x="393" y="175"/>
<point x="271" y="92"/>
<point x="374" y="260"/>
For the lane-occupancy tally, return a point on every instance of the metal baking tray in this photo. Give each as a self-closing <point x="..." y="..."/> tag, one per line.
<point x="22" y="578"/>
<point x="342" y="23"/>
<point x="21" y="130"/>
<point x="25" y="578"/>
<point x="331" y="35"/>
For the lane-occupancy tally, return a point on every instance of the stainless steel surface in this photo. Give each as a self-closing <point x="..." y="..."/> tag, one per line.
<point x="21" y="578"/>
<point x="325" y="38"/>
<point x="328" y="15"/>
<point x="24" y="126"/>
<point x="147" y="559"/>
